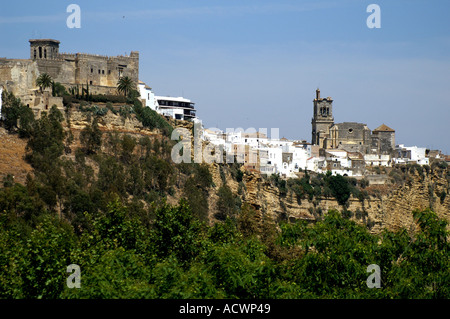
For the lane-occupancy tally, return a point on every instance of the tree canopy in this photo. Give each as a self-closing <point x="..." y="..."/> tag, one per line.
<point x="125" y="85"/>
<point x="44" y="81"/>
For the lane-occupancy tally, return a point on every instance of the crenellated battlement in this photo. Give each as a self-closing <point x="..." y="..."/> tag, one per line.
<point x="64" y="55"/>
<point x="100" y="72"/>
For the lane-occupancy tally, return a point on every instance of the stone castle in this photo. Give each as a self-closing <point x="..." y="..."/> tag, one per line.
<point x="100" y="72"/>
<point x="348" y="136"/>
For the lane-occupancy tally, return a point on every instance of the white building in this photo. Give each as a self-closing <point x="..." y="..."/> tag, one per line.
<point x="177" y="108"/>
<point x="264" y="166"/>
<point x="282" y="142"/>
<point x="411" y="154"/>
<point x="377" y="160"/>
<point x="274" y="158"/>
<point x="148" y="96"/>
<point x="214" y="136"/>
<point x="342" y="172"/>
<point x="251" y="138"/>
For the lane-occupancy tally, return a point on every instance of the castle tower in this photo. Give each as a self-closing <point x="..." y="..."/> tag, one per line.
<point x="322" y="120"/>
<point x="43" y="49"/>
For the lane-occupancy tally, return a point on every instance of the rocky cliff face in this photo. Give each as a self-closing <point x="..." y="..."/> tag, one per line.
<point x="388" y="206"/>
<point x="392" y="210"/>
<point x="109" y="122"/>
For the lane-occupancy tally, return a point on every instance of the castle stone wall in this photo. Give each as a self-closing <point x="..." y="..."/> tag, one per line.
<point x="70" y="69"/>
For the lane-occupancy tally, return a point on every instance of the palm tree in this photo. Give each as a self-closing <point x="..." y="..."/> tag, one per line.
<point x="44" y="81"/>
<point x="125" y="85"/>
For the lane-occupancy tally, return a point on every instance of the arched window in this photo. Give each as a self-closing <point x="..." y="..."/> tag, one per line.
<point x="45" y="53"/>
<point x="40" y="52"/>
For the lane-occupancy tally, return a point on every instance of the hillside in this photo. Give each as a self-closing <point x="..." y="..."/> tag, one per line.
<point x="384" y="206"/>
<point x="104" y="194"/>
<point x="12" y="152"/>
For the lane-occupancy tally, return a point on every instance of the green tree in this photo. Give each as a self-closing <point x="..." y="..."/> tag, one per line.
<point x="44" y="81"/>
<point x="16" y="115"/>
<point x="58" y="89"/>
<point x="91" y="137"/>
<point x="45" y="259"/>
<point x="420" y="265"/>
<point x="46" y="143"/>
<point x="241" y="269"/>
<point x="340" y="188"/>
<point x="26" y="121"/>
<point x="151" y="118"/>
<point x="226" y="204"/>
<point x="125" y="85"/>
<point x="177" y="232"/>
<point x="117" y="274"/>
<point x="128" y="145"/>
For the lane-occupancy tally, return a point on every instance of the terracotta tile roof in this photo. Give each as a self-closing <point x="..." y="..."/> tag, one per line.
<point x="383" y="128"/>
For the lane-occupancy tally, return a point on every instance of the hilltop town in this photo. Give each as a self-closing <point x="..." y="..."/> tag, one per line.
<point x="348" y="148"/>
<point x="89" y="180"/>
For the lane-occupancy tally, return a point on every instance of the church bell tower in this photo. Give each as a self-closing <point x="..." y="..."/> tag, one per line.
<point x="322" y="120"/>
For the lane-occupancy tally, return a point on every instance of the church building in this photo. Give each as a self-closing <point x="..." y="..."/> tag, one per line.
<point x="349" y="136"/>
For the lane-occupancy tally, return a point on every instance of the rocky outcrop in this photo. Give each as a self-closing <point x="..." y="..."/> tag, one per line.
<point x="392" y="210"/>
<point x="109" y="122"/>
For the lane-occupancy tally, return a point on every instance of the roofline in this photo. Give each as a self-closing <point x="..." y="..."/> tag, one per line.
<point x="44" y="40"/>
<point x="170" y="98"/>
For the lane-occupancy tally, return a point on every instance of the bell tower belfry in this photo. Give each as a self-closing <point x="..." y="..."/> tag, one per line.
<point x="322" y="120"/>
<point x="43" y="49"/>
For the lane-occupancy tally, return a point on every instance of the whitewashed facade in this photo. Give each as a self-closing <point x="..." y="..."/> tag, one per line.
<point x="148" y="96"/>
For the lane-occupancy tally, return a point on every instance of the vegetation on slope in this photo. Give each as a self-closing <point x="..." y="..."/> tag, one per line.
<point x="104" y="208"/>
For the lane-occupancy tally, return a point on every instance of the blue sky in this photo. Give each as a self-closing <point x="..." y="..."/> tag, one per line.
<point x="257" y="63"/>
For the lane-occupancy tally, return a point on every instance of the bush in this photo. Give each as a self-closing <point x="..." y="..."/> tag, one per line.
<point x="280" y="183"/>
<point x="16" y="115"/>
<point x="226" y="204"/>
<point x="151" y="119"/>
<point x="176" y="232"/>
<point x="340" y="188"/>
<point x="91" y="138"/>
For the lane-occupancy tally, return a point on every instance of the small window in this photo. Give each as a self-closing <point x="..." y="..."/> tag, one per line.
<point x="92" y="70"/>
<point x="98" y="71"/>
<point x="90" y="82"/>
<point x="103" y="71"/>
<point x="350" y="130"/>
